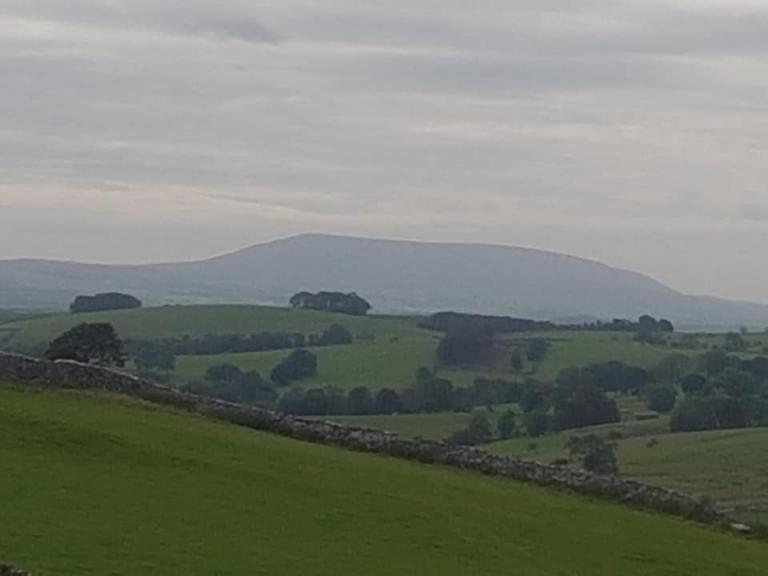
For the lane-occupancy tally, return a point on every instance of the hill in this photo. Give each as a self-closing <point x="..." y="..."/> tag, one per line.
<point x="96" y="484"/>
<point x="395" y="276"/>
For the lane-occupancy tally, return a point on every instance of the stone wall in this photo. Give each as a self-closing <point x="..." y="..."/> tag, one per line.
<point x="65" y="374"/>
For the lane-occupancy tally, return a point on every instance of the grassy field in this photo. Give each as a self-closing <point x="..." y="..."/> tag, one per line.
<point x="430" y="426"/>
<point x="729" y="466"/>
<point x="375" y="365"/>
<point x="174" y="321"/>
<point x="101" y="485"/>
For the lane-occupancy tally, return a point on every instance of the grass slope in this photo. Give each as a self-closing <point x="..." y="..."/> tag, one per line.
<point x="100" y="485"/>
<point x="730" y="466"/>
<point x="173" y="321"/>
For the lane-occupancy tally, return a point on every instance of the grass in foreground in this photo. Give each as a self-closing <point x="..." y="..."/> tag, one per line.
<point x="99" y="485"/>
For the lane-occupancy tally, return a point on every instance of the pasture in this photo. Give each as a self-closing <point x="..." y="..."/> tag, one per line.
<point x="96" y="485"/>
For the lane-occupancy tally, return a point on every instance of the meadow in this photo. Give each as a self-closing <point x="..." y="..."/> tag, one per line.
<point x="95" y="484"/>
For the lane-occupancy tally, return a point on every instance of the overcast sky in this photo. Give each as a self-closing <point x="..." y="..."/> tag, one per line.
<point x="632" y="132"/>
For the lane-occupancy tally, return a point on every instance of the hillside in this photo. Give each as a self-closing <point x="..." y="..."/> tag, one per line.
<point x="105" y="485"/>
<point x="394" y="275"/>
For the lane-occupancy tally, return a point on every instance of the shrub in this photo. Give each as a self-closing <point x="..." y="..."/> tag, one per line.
<point x="661" y="398"/>
<point x="593" y="453"/>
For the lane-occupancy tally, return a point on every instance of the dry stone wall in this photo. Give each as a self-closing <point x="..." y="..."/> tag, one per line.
<point x="71" y="375"/>
<point x="6" y="570"/>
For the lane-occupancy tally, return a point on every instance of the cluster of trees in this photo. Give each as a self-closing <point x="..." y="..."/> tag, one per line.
<point x="476" y="347"/>
<point x="87" y="343"/>
<point x="652" y="331"/>
<point x="458" y="323"/>
<point x="480" y="431"/>
<point x="725" y="392"/>
<point x="160" y="355"/>
<point x="340" y="302"/>
<point x="103" y="302"/>
<point x="228" y="382"/>
<point x="428" y="394"/>
<point x="455" y="322"/>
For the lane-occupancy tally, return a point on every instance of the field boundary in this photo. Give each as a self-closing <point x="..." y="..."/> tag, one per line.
<point x="73" y="375"/>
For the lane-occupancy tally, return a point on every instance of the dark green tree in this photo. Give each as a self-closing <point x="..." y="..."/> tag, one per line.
<point x="593" y="453"/>
<point x="86" y="343"/>
<point x="506" y="426"/>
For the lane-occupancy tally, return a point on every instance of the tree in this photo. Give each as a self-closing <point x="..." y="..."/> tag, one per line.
<point x="102" y="302"/>
<point x="477" y="432"/>
<point x="594" y="453"/>
<point x="336" y="335"/>
<point x="297" y="365"/>
<point x="661" y="398"/>
<point x="673" y="368"/>
<point x="150" y="356"/>
<point x="694" y="385"/>
<point x="97" y="342"/>
<point x="537" y="349"/>
<point x="388" y="401"/>
<point x="711" y="413"/>
<point x="506" y="426"/>
<point x="714" y="362"/>
<point x="464" y="349"/>
<point x="223" y="373"/>
<point x="360" y="401"/>
<point x="536" y="423"/>
<point x="349" y="303"/>
<point x="579" y="403"/>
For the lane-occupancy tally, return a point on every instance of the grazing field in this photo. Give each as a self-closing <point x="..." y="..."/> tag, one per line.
<point x="176" y="321"/>
<point x="729" y="466"/>
<point x="374" y="365"/>
<point x="105" y="485"/>
<point x="582" y="348"/>
<point x="429" y="426"/>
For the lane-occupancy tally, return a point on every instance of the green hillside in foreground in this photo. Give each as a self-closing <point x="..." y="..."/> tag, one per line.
<point x="104" y="485"/>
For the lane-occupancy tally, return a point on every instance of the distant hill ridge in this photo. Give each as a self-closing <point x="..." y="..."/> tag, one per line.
<point x="395" y="276"/>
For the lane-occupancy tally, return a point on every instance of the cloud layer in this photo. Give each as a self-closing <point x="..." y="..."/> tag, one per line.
<point x="634" y="133"/>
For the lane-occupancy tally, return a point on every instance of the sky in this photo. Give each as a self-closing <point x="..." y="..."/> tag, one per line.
<point x="630" y="132"/>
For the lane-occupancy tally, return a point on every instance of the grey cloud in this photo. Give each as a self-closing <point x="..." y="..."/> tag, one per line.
<point x="632" y="132"/>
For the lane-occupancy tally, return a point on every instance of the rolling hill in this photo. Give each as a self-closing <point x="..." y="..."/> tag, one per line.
<point x="396" y="276"/>
<point x="95" y="484"/>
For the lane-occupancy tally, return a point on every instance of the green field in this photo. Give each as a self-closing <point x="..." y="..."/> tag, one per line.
<point x="430" y="426"/>
<point x="374" y="365"/>
<point x="729" y="466"/>
<point x="104" y="485"/>
<point x="176" y="321"/>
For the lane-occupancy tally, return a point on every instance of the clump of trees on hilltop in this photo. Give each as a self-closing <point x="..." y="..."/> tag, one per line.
<point x="104" y="302"/>
<point x="339" y="302"/>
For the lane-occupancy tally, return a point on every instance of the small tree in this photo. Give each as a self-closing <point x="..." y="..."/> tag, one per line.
<point x="87" y="343"/>
<point x="480" y="428"/>
<point x="360" y="401"/>
<point x="593" y="453"/>
<point x="506" y="426"/>
<point x="388" y="401"/>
